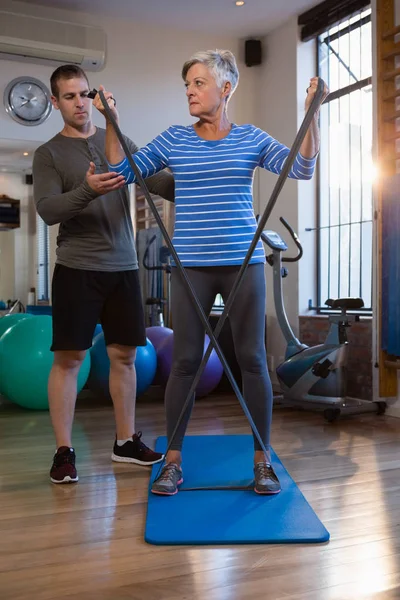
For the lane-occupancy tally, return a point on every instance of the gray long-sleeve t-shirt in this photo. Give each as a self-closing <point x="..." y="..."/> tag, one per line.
<point x="95" y="231"/>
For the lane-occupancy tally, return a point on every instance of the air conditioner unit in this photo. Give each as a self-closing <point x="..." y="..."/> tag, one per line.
<point x="47" y="41"/>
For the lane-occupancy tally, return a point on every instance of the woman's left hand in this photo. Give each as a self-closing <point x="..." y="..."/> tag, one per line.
<point x="311" y="90"/>
<point x="97" y="103"/>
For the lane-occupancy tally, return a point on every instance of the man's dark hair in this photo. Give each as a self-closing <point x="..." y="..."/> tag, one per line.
<point x="65" y="72"/>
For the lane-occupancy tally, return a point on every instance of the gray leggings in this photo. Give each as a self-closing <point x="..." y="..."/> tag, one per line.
<point x="247" y="321"/>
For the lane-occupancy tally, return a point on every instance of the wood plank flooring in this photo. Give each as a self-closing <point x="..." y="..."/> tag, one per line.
<point x="85" y="541"/>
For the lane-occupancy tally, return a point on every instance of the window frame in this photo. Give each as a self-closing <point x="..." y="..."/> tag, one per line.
<point x="321" y="308"/>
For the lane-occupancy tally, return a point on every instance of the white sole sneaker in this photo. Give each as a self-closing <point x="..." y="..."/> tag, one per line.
<point x="66" y="479"/>
<point x="136" y="461"/>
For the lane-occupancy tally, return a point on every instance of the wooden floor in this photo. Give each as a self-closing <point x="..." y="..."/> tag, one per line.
<point x="85" y="541"/>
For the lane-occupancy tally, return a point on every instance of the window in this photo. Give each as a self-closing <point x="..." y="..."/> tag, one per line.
<point x="43" y="263"/>
<point x="346" y="170"/>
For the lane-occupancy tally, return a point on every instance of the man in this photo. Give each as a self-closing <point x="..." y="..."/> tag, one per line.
<point x="95" y="276"/>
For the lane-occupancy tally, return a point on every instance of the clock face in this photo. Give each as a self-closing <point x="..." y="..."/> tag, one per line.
<point x="27" y="101"/>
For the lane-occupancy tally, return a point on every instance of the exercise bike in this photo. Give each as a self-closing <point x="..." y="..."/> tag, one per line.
<point x="314" y="377"/>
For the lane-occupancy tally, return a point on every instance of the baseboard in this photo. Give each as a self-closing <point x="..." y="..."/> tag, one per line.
<point x="393" y="411"/>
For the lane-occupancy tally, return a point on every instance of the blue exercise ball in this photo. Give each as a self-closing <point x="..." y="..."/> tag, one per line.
<point x="6" y="323"/>
<point x="26" y="362"/>
<point x="10" y="320"/>
<point x="145" y="364"/>
<point x="99" y="368"/>
<point x="98" y="329"/>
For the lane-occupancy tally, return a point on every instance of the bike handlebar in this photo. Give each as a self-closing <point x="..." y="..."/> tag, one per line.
<point x="296" y="240"/>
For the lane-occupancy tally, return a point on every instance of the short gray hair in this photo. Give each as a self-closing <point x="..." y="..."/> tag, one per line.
<point x="221" y="63"/>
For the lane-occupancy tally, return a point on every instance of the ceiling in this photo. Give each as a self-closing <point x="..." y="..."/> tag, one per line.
<point x="12" y="159"/>
<point x="256" y="17"/>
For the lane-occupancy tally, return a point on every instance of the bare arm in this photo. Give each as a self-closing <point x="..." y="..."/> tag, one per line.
<point x="114" y="151"/>
<point x="311" y="142"/>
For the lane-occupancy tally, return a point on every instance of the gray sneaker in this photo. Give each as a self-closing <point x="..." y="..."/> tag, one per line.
<point x="167" y="482"/>
<point x="266" y="481"/>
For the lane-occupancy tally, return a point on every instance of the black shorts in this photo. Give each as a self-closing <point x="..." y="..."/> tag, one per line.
<point x="81" y="299"/>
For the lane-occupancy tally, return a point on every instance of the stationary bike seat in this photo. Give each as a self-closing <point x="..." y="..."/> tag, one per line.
<point x="155" y="301"/>
<point x="345" y="303"/>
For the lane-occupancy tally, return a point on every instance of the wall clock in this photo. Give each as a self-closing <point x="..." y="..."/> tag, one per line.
<point x="27" y="101"/>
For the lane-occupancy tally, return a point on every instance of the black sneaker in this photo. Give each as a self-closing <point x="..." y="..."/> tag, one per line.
<point x="63" y="468"/>
<point x="167" y="482"/>
<point x="265" y="479"/>
<point x="135" y="451"/>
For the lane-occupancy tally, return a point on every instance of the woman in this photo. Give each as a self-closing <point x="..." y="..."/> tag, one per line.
<point x="213" y="162"/>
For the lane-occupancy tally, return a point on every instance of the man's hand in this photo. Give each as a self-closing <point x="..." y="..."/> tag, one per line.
<point x="103" y="183"/>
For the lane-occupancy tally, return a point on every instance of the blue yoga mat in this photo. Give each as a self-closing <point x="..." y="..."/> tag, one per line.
<point x="228" y="517"/>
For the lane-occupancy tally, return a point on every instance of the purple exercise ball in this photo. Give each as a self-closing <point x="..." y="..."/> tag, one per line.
<point x="211" y="375"/>
<point x="158" y="334"/>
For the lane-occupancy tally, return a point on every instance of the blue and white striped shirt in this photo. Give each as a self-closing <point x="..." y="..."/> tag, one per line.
<point x="215" y="220"/>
